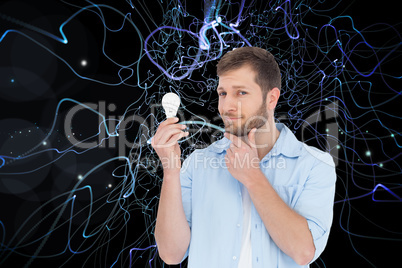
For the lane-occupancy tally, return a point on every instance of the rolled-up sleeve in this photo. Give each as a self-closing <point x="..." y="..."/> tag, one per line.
<point x="316" y="201"/>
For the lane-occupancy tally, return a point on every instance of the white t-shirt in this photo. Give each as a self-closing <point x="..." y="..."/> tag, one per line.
<point x="245" y="260"/>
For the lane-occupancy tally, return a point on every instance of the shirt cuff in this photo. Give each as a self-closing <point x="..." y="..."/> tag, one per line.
<point x="320" y="238"/>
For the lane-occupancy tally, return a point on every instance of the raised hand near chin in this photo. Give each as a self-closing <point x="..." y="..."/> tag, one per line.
<point x="241" y="158"/>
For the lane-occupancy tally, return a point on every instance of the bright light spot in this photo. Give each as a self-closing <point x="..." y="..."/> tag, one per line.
<point x="381" y="165"/>
<point x="84" y="63"/>
<point x="219" y="19"/>
<point x="368" y="153"/>
<point x="79" y="177"/>
<point x="109" y="185"/>
<point x="44" y="143"/>
<point x="338" y="147"/>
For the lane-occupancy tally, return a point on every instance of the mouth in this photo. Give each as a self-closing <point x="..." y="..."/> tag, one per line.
<point x="231" y="118"/>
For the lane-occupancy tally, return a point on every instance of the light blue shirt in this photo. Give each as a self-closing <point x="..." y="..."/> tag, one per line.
<point x="303" y="176"/>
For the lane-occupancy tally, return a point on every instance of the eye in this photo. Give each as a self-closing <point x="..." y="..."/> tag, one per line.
<point x="242" y="92"/>
<point x="221" y="93"/>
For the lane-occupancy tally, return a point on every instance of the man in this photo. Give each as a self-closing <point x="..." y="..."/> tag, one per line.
<point x="256" y="198"/>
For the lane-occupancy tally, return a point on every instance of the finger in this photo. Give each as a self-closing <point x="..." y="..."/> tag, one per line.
<point x="251" y="137"/>
<point x="236" y="141"/>
<point x="163" y="141"/>
<point x="168" y="133"/>
<point x="169" y="121"/>
<point x="162" y="126"/>
<point x="231" y="150"/>
<point x="175" y="138"/>
<point x="164" y="130"/>
<point x="227" y="160"/>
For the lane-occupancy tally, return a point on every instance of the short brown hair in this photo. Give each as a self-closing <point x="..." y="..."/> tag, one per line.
<point x="260" y="60"/>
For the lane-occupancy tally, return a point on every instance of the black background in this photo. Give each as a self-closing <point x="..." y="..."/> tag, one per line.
<point x="36" y="78"/>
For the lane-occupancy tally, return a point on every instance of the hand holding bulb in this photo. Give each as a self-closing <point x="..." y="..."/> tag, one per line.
<point x="165" y="141"/>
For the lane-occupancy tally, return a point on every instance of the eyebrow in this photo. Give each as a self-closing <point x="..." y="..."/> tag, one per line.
<point x="234" y="87"/>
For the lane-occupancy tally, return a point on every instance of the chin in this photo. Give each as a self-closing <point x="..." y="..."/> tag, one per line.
<point x="237" y="132"/>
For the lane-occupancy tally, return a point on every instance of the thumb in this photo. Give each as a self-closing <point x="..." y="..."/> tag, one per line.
<point x="251" y="137"/>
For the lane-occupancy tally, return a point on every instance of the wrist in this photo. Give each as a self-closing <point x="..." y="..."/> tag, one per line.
<point x="255" y="179"/>
<point x="171" y="163"/>
<point x="171" y="172"/>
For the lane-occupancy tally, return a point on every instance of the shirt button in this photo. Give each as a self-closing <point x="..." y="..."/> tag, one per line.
<point x="234" y="258"/>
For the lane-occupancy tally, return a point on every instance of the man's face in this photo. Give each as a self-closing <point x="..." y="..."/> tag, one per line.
<point x="241" y="102"/>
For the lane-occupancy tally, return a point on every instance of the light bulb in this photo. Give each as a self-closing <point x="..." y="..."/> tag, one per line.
<point x="170" y="103"/>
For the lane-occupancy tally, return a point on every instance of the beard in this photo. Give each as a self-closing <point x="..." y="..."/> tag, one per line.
<point x="254" y="121"/>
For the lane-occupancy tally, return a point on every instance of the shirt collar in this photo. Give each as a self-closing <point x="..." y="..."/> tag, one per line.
<point x="286" y="144"/>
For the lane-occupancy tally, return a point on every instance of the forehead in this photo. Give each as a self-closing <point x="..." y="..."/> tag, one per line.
<point x="240" y="77"/>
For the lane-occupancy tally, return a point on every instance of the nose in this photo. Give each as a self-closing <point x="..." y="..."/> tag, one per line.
<point x="230" y="104"/>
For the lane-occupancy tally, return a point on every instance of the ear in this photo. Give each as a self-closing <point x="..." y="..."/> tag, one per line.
<point x="272" y="98"/>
